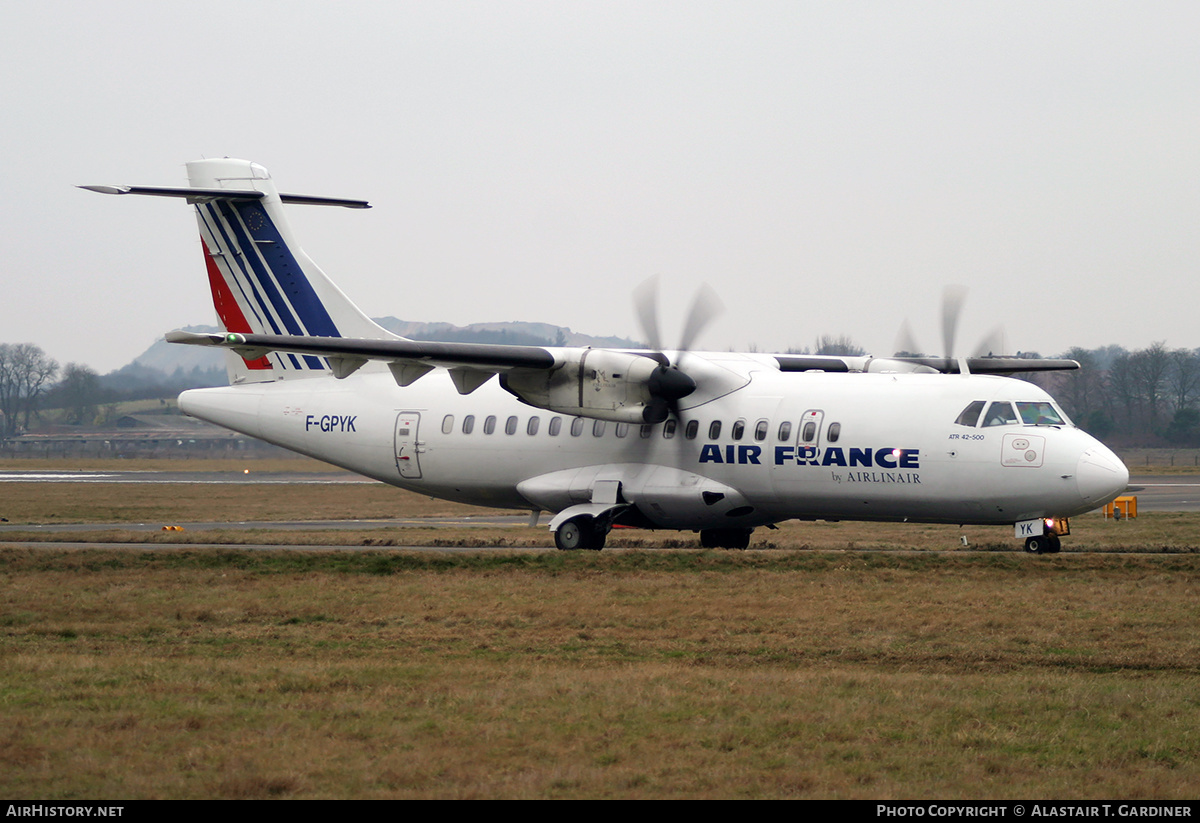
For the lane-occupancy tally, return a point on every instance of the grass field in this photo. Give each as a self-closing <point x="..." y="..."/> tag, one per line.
<point x="816" y="670"/>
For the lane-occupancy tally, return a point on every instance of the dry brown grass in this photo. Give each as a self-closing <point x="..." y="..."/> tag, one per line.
<point x="630" y="674"/>
<point x="826" y="672"/>
<point x="22" y="502"/>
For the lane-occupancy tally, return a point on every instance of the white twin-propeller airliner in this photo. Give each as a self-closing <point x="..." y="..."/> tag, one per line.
<point x="718" y="443"/>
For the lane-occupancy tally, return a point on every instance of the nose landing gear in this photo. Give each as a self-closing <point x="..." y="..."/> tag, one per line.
<point x="1043" y="544"/>
<point x="1048" y="541"/>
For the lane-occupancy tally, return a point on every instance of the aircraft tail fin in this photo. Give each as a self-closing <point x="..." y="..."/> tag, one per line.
<point x="261" y="281"/>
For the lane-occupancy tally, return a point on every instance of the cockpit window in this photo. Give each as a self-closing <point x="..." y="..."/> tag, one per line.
<point x="1000" y="414"/>
<point x="970" y="415"/>
<point x="1040" y="414"/>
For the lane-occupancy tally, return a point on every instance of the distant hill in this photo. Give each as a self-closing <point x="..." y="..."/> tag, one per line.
<point x="170" y="359"/>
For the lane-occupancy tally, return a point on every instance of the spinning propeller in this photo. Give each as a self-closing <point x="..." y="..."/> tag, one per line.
<point x="669" y="384"/>
<point x="953" y="299"/>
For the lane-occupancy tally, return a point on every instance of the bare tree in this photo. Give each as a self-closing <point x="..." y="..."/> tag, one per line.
<point x="1123" y="398"/>
<point x="1081" y="391"/>
<point x="1151" y="365"/>
<point x="25" y="372"/>
<point x="79" y="393"/>
<point x="1183" y="379"/>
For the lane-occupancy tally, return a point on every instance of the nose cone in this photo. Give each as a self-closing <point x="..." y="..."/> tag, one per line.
<point x="1101" y="476"/>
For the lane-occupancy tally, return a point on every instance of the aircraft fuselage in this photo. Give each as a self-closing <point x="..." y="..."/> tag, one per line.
<point x="879" y="447"/>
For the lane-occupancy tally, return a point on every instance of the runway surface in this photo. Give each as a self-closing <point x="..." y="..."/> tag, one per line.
<point x="1155" y="493"/>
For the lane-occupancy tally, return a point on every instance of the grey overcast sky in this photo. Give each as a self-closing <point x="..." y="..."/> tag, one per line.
<point x="826" y="166"/>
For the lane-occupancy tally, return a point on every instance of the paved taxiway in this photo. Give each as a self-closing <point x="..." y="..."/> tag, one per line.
<point x="1155" y="493"/>
<point x="1178" y="493"/>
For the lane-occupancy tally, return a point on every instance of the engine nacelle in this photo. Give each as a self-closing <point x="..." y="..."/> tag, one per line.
<point x="597" y="383"/>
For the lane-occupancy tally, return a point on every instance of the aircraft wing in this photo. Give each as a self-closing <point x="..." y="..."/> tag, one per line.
<point x="470" y="364"/>
<point x="483" y="355"/>
<point x="945" y="365"/>
<point x="622" y="386"/>
<point x="494" y="358"/>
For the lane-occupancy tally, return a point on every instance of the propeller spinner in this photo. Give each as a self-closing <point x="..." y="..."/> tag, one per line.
<point x="669" y="383"/>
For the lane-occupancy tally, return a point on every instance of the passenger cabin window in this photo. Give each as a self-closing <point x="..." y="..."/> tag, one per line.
<point x="691" y="429"/>
<point x="714" y="430"/>
<point x="760" y="430"/>
<point x="577" y="427"/>
<point x="531" y="428"/>
<point x="598" y="428"/>
<point x="785" y="430"/>
<point x="622" y="429"/>
<point x="833" y="432"/>
<point x="468" y="424"/>
<point x="669" y="429"/>
<point x="647" y="430"/>
<point x="739" y="428"/>
<point x="510" y="425"/>
<point x="1040" y="414"/>
<point x="1000" y="414"/>
<point x="809" y="433"/>
<point x="555" y="426"/>
<point x="970" y="415"/>
<point x="447" y="424"/>
<point x="489" y="425"/>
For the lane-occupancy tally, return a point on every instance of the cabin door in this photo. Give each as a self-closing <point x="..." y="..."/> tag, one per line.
<point x="808" y="438"/>
<point x="408" y="447"/>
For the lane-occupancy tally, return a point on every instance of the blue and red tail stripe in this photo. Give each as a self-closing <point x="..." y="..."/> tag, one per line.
<point x="253" y="261"/>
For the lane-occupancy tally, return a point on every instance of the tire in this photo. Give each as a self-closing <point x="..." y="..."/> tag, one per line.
<point x="1036" y="545"/>
<point x="579" y="533"/>
<point x="571" y="536"/>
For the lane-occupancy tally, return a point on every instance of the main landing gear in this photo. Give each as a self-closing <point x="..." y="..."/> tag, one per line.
<point x="581" y="532"/>
<point x="585" y="532"/>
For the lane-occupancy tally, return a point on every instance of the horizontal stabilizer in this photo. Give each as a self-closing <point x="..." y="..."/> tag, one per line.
<point x="198" y="195"/>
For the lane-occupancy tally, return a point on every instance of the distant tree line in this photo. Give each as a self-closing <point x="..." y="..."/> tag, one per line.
<point x="1131" y="398"/>
<point x="28" y="388"/>
<point x="1142" y="397"/>
<point x="1147" y="397"/>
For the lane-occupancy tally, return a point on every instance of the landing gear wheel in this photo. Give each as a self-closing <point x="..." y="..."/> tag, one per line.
<point x="1044" y="544"/>
<point x="725" y="538"/>
<point x="580" y="533"/>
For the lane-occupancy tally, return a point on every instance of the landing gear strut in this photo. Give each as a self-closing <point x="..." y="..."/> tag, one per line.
<point x="580" y="533"/>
